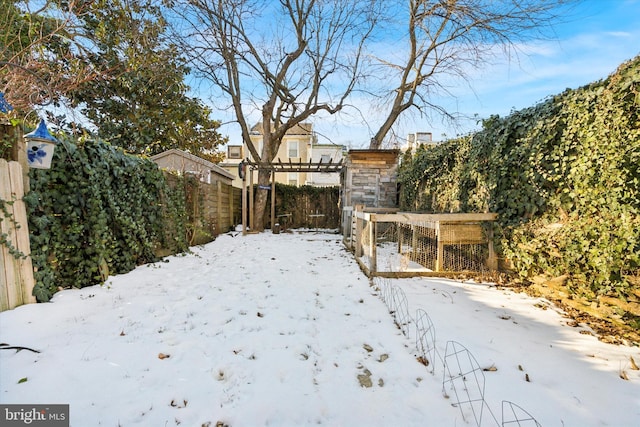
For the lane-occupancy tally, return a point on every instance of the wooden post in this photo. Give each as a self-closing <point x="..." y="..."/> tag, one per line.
<point x="18" y="149"/>
<point x="252" y="223"/>
<point x="219" y="209"/>
<point x="414" y="243"/>
<point x="371" y="239"/>
<point x="440" y="243"/>
<point x="22" y="234"/>
<point x="273" y="200"/>
<point x="492" y="259"/>
<point x="8" y="263"/>
<point x="358" y="234"/>
<point x="232" y="224"/>
<point x="374" y="252"/>
<point x="244" y="205"/>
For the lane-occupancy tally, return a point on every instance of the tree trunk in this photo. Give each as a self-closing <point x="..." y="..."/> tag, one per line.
<point x="264" y="179"/>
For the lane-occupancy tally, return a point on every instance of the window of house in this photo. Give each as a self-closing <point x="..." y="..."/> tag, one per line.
<point x="293" y="149"/>
<point x="293" y="178"/>
<point x="234" y="152"/>
<point x="325" y="158"/>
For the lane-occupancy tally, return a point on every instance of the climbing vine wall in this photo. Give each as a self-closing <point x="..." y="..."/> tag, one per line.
<point x="564" y="178"/>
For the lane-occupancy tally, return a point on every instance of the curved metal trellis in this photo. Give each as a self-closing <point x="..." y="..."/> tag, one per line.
<point x="401" y="310"/>
<point x="464" y="378"/>
<point x="514" y="415"/>
<point x="426" y="340"/>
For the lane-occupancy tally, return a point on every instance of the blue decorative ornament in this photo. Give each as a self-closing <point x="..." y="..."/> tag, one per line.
<point x="41" y="134"/>
<point x="36" y="153"/>
<point x="40" y="147"/>
<point x="5" y="107"/>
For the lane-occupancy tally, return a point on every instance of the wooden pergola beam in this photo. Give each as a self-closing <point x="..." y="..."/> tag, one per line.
<point x="279" y="166"/>
<point x="299" y="166"/>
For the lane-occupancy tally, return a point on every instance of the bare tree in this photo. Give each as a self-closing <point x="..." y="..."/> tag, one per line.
<point x="448" y="38"/>
<point x="286" y="59"/>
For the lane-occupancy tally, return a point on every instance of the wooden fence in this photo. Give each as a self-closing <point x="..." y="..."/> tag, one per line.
<point x="305" y="207"/>
<point x="16" y="271"/>
<point x="212" y="209"/>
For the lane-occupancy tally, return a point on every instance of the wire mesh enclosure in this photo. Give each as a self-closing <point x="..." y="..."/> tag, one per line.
<point x="406" y="244"/>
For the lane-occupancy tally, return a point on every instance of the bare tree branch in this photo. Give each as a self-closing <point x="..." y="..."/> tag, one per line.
<point x="446" y="37"/>
<point x="292" y="59"/>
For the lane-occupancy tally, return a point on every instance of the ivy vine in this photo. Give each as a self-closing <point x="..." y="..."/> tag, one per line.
<point x="564" y="178"/>
<point x="99" y="211"/>
<point x="7" y="215"/>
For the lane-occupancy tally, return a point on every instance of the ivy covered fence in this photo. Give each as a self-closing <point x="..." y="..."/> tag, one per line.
<point x="564" y="178"/>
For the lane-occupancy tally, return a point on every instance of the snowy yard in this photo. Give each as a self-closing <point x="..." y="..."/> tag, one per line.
<point x="285" y="330"/>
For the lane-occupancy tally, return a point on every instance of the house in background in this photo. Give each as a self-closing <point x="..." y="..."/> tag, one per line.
<point x="325" y="153"/>
<point x="414" y="140"/>
<point x="294" y="147"/>
<point x="235" y="154"/>
<point x="186" y="163"/>
<point x="299" y="145"/>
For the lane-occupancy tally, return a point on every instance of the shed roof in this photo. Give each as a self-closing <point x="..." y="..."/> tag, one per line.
<point x="206" y="164"/>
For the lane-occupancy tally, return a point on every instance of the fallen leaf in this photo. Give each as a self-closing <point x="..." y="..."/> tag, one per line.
<point x="22" y="380"/>
<point x="491" y="368"/>
<point x="634" y="366"/>
<point x="163" y="356"/>
<point x="423" y="360"/>
<point x="179" y="405"/>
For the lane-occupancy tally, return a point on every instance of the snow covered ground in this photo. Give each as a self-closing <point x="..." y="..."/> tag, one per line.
<point x="285" y="330"/>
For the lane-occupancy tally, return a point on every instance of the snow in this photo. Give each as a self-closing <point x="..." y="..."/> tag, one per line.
<point x="275" y="330"/>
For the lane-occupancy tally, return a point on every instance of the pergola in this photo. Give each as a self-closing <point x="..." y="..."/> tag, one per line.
<point x="273" y="167"/>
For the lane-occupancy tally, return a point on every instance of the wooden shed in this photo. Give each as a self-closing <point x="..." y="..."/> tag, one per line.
<point x="187" y="163"/>
<point x="370" y="178"/>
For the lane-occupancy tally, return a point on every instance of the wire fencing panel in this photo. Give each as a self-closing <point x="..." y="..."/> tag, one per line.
<point x="397" y="243"/>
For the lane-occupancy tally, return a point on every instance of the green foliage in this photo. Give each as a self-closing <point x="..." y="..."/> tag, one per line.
<point x="96" y="212"/>
<point x="7" y="215"/>
<point x="141" y="103"/>
<point x="563" y="176"/>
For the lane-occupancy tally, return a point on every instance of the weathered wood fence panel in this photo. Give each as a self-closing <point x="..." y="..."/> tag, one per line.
<point x="16" y="270"/>
<point x="306" y="207"/>
<point x="212" y="209"/>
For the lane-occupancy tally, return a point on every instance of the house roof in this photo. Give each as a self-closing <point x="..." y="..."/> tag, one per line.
<point x="304" y="128"/>
<point x="206" y="164"/>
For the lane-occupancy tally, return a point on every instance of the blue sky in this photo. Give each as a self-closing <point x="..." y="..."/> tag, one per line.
<point x="590" y="43"/>
<point x="590" y="46"/>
